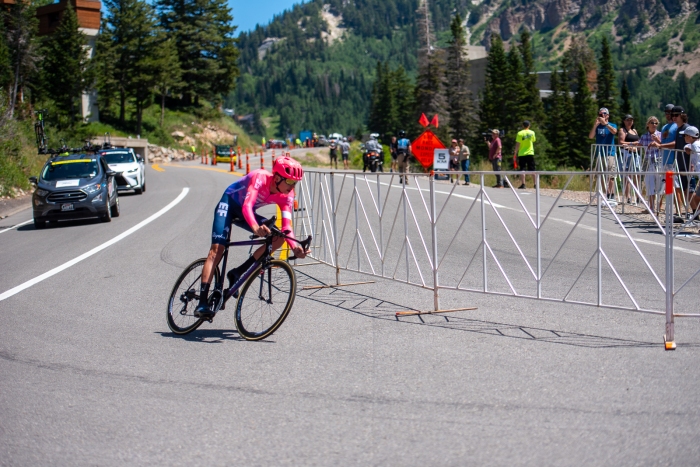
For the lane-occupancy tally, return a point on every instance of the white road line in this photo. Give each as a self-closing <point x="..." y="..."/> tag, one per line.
<point x="582" y="226"/>
<point x="18" y="225"/>
<point x="97" y="249"/>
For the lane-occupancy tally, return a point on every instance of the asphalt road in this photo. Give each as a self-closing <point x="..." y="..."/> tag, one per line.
<point x="90" y="373"/>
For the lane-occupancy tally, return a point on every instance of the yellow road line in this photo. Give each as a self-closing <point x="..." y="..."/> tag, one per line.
<point x="158" y="168"/>
<point x="204" y="168"/>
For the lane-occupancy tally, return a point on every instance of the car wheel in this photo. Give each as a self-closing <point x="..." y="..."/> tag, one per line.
<point x="107" y="216"/>
<point x="115" y="210"/>
<point x="143" y="185"/>
<point x="138" y="191"/>
<point x="39" y="223"/>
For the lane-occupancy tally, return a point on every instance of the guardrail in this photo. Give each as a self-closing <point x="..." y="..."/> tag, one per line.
<point x="436" y="238"/>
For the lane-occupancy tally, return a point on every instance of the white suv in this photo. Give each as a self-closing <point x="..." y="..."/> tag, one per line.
<point x="130" y="168"/>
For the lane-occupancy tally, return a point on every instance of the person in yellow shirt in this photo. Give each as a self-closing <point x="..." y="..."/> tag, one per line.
<point x="525" y="152"/>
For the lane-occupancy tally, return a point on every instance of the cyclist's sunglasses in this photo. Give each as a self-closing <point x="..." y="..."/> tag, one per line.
<point x="290" y="182"/>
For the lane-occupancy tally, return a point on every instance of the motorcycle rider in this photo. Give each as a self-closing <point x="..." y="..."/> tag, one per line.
<point x="372" y="145"/>
<point x="403" y="152"/>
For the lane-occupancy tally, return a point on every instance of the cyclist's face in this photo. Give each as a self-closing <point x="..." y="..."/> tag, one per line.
<point x="282" y="185"/>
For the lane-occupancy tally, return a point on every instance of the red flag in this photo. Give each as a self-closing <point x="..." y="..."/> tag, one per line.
<point x="423" y="120"/>
<point x="434" y="122"/>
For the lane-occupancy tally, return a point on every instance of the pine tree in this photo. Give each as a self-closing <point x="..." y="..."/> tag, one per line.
<point x="430" y="82"/>
<point x="516" y="96"/>
<point x="104" y="60"/>
<point x="168" y="75"/>
<point x="492" y="109"/>
<point x="5" y="60"/>
<point x="457" y="79"/>
<point x="203" y="32"/>
<point x="558" y="119"/>
<point x="405" y="106"/>
<point x="584" y="111"/>
<point x="625" y="96"/>
<point x="65" y="66"/>
<point x="24" y="48"/>
<point x="606" y="94"/>
<point x="534" y="110"/>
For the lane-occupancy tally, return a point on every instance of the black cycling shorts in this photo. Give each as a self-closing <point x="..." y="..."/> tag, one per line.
<point x="229" y="213"/>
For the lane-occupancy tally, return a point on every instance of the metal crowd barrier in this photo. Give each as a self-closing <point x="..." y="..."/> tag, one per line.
<point x="629" y="185"/>
<point x="432" y="235"/>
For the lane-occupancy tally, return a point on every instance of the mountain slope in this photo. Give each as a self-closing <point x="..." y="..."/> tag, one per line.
<point x="314" y="66"/>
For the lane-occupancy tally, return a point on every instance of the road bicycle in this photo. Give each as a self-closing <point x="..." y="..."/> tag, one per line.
<point x="267" y="291"/>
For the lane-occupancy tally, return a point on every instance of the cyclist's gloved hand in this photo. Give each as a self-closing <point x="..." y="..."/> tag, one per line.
<point x="261" y="231"/>
<point x="299" y="252"/>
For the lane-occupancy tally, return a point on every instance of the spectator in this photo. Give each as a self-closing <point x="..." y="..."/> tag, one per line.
<point x="652" y="161"/>
<point x="692" y="138"/>
<point x="345" y="150"/>
<point x="628" y="134"/>
<point x="604" y="133"/>
<point x="671" y="162"/>
<point x="404" y="151"/>
<point x="495" y="156"/>
<point x="525" y="152"/>
<point x="464" y="160"/>
<point x="393" y="150"/>
<point x="298" y="143"/>
<point x="454" y="160"/>
<point x="333" y="150"/>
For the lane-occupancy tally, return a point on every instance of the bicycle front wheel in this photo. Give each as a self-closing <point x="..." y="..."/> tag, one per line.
<point x="184" y="298"/>
<point x="265" y="300"/>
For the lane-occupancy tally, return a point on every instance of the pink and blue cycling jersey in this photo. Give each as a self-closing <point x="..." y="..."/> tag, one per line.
<point x="253" y="191"/>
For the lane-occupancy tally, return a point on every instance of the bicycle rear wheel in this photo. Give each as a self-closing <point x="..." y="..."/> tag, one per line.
<point x="265" y="300"/>
<point x="184" y="298"/>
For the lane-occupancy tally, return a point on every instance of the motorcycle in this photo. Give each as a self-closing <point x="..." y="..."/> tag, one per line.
<point x="375" y="161"/>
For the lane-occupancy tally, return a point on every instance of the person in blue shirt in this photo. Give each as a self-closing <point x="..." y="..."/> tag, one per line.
<point x="604" y="133"/>
<point x="403" y="151"/>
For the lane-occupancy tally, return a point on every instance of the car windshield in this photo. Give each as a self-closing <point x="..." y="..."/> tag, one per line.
<point x="75" y="168"/>
<point x="122" y="157"/>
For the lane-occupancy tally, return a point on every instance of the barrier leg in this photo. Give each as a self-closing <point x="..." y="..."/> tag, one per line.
<point x="669" y="338"/>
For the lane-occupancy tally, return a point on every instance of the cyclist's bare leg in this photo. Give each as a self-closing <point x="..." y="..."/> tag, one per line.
<point x="213" y="258"/>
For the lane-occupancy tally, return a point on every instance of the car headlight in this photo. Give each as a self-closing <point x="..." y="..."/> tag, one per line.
<point x="40" y="192"/>
<point x="97" y="198"/>
<point x="93" y="188"/>
<point x="133" y="170"/>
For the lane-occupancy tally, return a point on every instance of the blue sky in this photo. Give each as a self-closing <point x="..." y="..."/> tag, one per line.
<point x="248" y="13"/>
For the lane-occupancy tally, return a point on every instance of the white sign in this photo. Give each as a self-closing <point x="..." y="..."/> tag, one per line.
<point x="64" y="183"/>
<point x="441" y="159"/>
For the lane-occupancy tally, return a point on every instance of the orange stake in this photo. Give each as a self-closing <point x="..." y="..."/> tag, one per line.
<point x="262" y="160"/>
<point x="238" y="156"/>
<point x="230" y="160"/>
<point x="247" y="163"/>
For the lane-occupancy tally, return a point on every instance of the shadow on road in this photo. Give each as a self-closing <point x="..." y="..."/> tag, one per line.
<point x="207" y="336"/>
<point x="377" y="308"/>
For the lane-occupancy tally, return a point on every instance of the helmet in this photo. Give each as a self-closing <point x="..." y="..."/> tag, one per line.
<point x="373" y="135"/>
<point x="287" y="167"/>
<point x="402" y="133"/>
<point x="345" y="140"/>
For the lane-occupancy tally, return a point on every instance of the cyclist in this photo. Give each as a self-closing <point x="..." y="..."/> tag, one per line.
<point x="237" y="206"/>
<point x="403" y="150"/>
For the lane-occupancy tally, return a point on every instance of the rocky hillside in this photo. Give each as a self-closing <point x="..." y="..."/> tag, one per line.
<point x="312" y="67"/>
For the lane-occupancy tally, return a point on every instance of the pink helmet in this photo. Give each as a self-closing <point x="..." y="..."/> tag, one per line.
<point x="288" y="168"/>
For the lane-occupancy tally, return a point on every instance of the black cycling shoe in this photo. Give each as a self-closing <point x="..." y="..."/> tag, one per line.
<point x="233" y="277"/>
<point x="203" y="311"/>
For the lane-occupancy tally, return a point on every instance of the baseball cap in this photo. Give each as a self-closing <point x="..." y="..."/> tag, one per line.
<point x="669" y="108"/>
<point x="629" y="117"/>
<point x="454" y="140"/>
<point x="678" y="109"/>
<point x="691" y="131"/>
<point x="495" y="131"/>
<point x="604" y="110"/>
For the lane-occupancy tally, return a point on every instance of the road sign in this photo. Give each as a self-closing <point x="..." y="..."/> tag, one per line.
<point x="441" y="159"/>
<point x="424" y="148"/>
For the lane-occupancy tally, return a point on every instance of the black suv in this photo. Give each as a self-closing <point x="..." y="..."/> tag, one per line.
<point x="74" y="186"/>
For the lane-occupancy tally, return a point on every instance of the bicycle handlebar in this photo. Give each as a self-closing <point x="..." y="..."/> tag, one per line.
<point x="275" y="232"/>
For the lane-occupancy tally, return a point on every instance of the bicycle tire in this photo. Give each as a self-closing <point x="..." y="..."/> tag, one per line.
<point x="184" y="298"/>
<point x="254" y="319"/>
